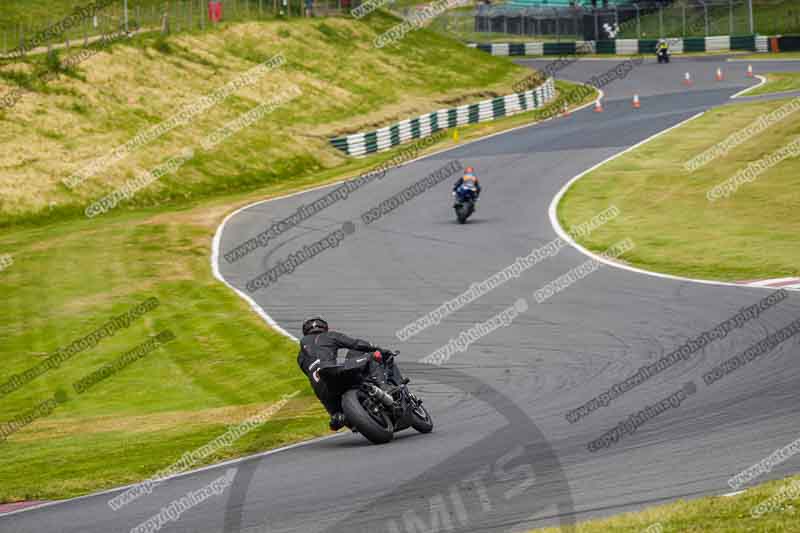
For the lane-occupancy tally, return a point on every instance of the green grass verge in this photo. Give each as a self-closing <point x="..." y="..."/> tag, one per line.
<point x="71" y="275"/>
<point x="778" y="82"/>
<point x="716" y="514"/>
<point x="753" y="234"/>
<point x="69" y="278"/>
<point x="136" y="85"/>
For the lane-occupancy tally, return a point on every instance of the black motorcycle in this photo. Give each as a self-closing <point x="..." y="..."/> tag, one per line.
<point x="378" y="403"/>
<point x="465" y="203"/>
<point x="663" y="55"/>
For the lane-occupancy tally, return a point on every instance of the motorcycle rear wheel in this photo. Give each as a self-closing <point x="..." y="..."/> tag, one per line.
<point x="376" y="432"/>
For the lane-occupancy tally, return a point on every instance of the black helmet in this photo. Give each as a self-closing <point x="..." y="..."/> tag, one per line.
<point x="314" y="325"/>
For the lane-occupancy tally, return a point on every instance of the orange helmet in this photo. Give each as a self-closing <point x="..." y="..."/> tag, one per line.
<point x="469" y="170"/>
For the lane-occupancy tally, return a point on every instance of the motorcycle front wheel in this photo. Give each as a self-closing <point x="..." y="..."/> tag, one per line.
<point x="420" y="418"/>
<point x="462" y="213"/>
<point x="376" y="427"/>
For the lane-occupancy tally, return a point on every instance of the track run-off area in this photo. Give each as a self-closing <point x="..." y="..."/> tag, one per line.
<point x="503" y="455"/>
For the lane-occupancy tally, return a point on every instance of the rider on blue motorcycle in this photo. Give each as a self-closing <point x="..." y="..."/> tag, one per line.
<point x="468" y="182"/>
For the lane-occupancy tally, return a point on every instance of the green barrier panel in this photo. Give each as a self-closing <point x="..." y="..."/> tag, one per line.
<point x="452" y="118"/>
<point x="415" y="128"/>
<point x="694" y="44"/>
<point x="747" y="42"/>
<point x="522" y="102"/>
<point x="499" y="107"/>
<point x="474" y="112"/>
<point x="394" y="134"/>
<point x="606" y="47"/>
<point x="434" y="121"/>
<point x="516" y="49"/>
<point x="559" y="49"/>
<point x="371" y="142"/>
<point x="647" y="46"/>
<point x="789" y="43"/>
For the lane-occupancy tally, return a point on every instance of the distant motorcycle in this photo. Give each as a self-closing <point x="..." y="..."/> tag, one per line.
<point x="662" y="54"/>
<point x="375" y="405"/>
<point x="466" y="196"/>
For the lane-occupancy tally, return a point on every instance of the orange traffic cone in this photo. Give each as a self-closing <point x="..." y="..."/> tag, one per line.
<point x="720" y="77"/>
<point x="598" y="106"/>
<point x="636" y="103"/>
<point x="687" y="79"/>
<point x="749" y="71"/>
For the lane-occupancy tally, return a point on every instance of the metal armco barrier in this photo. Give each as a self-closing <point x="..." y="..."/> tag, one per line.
<point x="360" y="144"/>
<point x="722" y="43"/>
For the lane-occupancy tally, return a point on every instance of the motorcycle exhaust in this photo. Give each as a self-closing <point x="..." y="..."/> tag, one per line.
<point x="384" y="397"/>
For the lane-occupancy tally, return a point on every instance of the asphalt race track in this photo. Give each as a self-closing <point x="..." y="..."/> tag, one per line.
<point x="503" y="457"/>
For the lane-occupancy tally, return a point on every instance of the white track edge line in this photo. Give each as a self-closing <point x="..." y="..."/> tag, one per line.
<point x="553" y="214"/>
<point x="174" y="476"/>
<point x="775" y="280"/>
<point x="754" y="87"/>
<point x="215" y="246"/>
<point x="760" y="59"/>
<point x="729" y="494"/>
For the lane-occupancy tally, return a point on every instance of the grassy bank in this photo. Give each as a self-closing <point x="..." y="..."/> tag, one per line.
<point x="71" y="277"/>
<point x="711" y="514"/>
<point x="752" y="234"/>
<point x="778" y="82"/>
<point x="347" y="86"/>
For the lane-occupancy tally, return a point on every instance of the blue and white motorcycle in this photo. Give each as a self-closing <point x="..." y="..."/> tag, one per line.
<point x="466" y="197"/>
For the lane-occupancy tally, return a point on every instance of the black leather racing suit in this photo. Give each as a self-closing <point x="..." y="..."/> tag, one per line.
<point x="317" y="360"/>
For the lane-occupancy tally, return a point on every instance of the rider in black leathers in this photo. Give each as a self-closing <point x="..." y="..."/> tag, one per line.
<point x="317" y="360"/>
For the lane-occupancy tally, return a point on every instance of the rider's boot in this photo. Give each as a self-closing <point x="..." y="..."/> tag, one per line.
<point x="337" y="421"/>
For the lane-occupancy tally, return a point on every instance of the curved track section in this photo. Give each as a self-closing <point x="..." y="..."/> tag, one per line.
<point x="503" y="457"/>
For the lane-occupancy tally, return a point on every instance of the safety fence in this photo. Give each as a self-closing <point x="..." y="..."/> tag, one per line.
<point x="678" y="45"/>
<point x="360" y="144"/>
<point x="644" y="19"/>
<point x="81" y="27"/>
